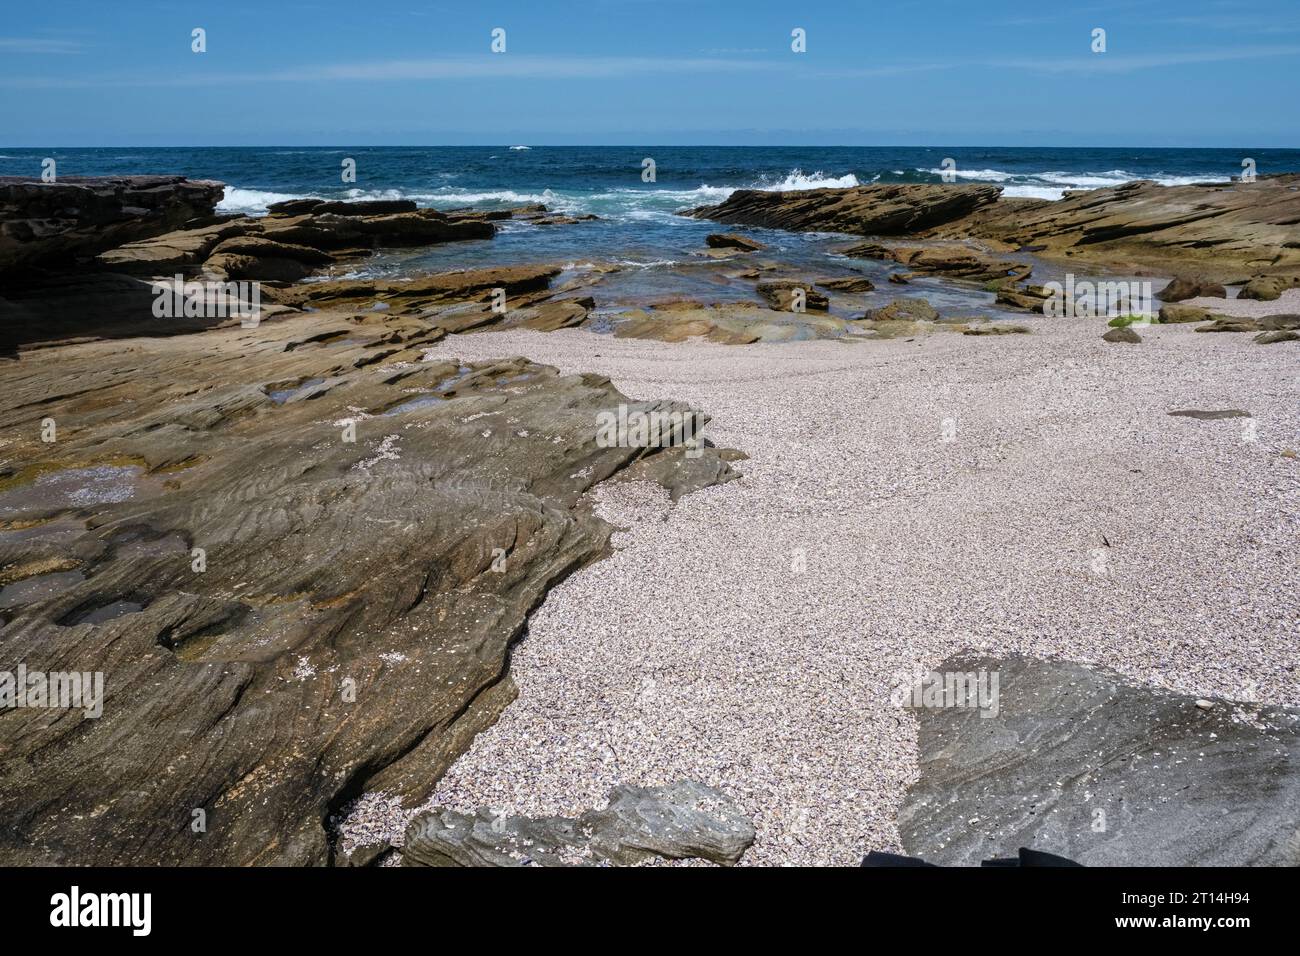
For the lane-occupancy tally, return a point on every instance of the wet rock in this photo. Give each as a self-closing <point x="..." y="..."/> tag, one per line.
<point x="904" y="310"/>
<point x="363" y="207"/>
<point x="1028" y="298"/>
<point x="79" y="216"/>
<point x="850" y="284"/>
<point x="1079" y="762"/>
<point x="1124" y="334"/>
<point x="563" y="220"/>
<point x="685" y="820"/>
<point x="947" y="260"/>
<point x="475" y="285"/>
<point x="1182" y="288"/>
<point x="731" y="240"/>
<point x="884" y="209"/>
<point x="783" y="294"/>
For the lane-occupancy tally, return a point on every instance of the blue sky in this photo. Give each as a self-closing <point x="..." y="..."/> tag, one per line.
<point x="968" y="72"/>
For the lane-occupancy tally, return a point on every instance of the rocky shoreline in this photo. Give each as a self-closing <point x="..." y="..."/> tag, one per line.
<point x="303" y="549"/>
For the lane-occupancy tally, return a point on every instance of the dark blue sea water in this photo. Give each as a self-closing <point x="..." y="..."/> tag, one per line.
<point x="637" y="224"/>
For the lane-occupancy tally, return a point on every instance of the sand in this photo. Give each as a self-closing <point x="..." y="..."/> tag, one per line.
<point x="750" y="636"/>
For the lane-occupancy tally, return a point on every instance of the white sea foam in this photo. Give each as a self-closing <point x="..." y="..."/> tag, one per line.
<point x="797" y="179"/>
<point x="520" y="147"/>
<point x="1052" y="184"/>
<point x="253" y="200"/>
<point x="983" y="175"/>
<point x="1034" y="192"/>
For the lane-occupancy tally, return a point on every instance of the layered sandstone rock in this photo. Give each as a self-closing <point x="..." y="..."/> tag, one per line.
<point x="297" y="554"/>
<point x="79" y="216"/>
<point x="886" y="210"/>
<point x="1224" y="232"/>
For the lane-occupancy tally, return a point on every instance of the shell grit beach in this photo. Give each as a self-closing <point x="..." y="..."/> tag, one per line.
<point x="637" y="437"/>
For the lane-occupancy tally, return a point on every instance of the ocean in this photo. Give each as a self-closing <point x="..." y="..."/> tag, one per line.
<point x="637" y="227"/>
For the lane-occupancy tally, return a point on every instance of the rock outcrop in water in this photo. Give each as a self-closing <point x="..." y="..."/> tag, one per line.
<point x="880" y="210"/>
<point x="1079" y="762"/>
<point x="79" y="216"/>
<point x="1227" y="232"/>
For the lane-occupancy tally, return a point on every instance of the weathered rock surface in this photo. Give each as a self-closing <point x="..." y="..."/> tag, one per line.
<point x="995" y="328"/>
<point x="1173" y="314"/>
<point x="79" y="216"/>
<point x="1223" y="232"/>
<point x="1267" y="288"/>
<point x="1220" y="231"/>
<point x="1123" y="334"/>
<point x="680" y="821"/>
<point x="309" y="239"/>
<point x="731" y="240"/>
<point x="786" y="294"/>
<point x="1081" y="763"/>
<point x="851" y="284"/>
<point x="947" y="260"/>
<point x="345" y="626"/>
<point x="884" y="210"/>
<point x="904" y="310"/>
<point x="727" y="323"/>
<point x="1183" y="288"/>
<point x="1267" y="323"/>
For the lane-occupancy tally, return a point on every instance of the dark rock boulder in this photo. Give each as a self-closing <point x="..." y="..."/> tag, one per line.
<point x="784" y="294"/>
<point x="1080" y="762"/>
<point x="685" y="820"/>
<point x="730" y="240"/>
<point x="1123" y="334"/>
<point x="1183" y="288"/>
<point x="79" y="216"/>
<point x="851" y="284"/>
<point x="363" y="207"/>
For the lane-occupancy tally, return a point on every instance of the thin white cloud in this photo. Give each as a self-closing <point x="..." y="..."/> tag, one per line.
<point x="38" y="45"/>
<point x="1110" y="62"/>
<point x="1116" y="62"/>
<point x="485" y="67"/>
